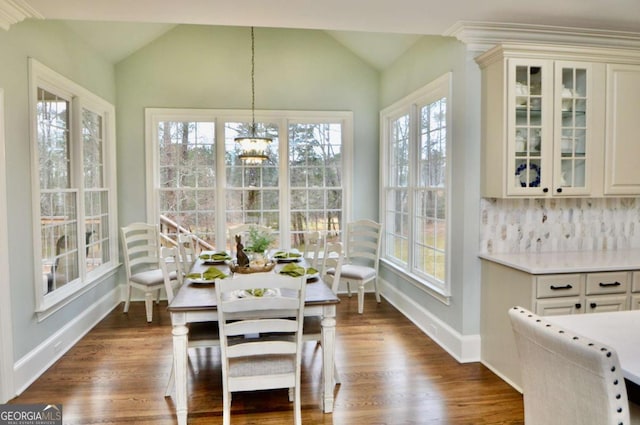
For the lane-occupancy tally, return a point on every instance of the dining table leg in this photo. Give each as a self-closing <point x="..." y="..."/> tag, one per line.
<point x="180" y="334"/>
<point x="328" y="356"/>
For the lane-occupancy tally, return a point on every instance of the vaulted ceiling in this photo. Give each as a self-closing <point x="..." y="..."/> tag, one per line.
<point x="376" y="30"/>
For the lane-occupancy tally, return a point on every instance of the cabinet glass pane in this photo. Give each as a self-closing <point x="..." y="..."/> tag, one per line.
<point x="528" y="122"/>
<point x="573" y="127"/>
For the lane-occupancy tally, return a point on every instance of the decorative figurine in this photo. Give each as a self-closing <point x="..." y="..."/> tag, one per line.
<point x="241" y="257"/>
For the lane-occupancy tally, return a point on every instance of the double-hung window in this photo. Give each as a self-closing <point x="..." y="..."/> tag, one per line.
<point x="73" y="159"/>
<point x="415" y="191"/>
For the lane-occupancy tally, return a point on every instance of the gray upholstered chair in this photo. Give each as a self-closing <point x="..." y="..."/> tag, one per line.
<point x="566" y="378"/>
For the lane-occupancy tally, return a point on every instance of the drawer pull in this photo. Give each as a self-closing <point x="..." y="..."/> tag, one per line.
<point x="593" y="305"/>
<point x="578" y="306"/>
<point x="567" y="286"/>
<point x="607" y="284"/>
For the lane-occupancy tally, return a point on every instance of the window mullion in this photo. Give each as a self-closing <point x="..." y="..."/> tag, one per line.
<point x="414" y="158"/>
<point x="77" y="181"/>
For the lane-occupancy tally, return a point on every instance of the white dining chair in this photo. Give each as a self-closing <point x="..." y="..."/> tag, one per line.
<point x="188" y="247"/>
<point x="260" y="336"/>
<point x="312" y="244"/>
<point x="566" y="378"/>
<point x="140" y="247"/>
<point x="362" y="258"/>
<point x="332" y="259"/>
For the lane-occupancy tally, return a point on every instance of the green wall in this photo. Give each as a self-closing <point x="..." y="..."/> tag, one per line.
<point x="209" y="67"/>
<point x="425" y="61"/>
<point x="52" y="44"/>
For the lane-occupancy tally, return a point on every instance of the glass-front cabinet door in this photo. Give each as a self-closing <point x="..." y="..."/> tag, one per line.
<point x="547" y="136"/>
<point x="571" y="133"/>
<point x="529" y="136"/>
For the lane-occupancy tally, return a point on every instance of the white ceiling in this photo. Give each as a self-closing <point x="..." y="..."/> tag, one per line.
<point x="377" y="30"/>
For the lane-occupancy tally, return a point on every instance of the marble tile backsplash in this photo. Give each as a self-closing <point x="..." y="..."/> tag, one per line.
<point x="564" y="224"/>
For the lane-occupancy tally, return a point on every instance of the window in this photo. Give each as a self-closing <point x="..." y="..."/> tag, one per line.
<point x="200" y="185"/>
<point x="74" y="189"/>
<point x="414" y="195"/>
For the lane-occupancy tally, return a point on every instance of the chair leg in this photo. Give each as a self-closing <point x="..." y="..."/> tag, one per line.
<point x="291" y="394"/>
<point x="375" y="287"/>
<point x="128" y="299"/>
<point x="226" y="408"/>
<point x="336" y="375"/>
<point x="360" y="298"/>
<point x="158" y="296"/>
<point x="297" y="406"/>
<point x="349" y="289"/>
<point x="148" y="304"/>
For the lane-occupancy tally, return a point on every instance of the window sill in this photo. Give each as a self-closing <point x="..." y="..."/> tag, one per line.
<point x="436" y="292"/>
<point x="50" y="306"/>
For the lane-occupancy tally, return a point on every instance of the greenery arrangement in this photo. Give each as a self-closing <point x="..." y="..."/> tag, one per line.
<point x="259" y="240"/>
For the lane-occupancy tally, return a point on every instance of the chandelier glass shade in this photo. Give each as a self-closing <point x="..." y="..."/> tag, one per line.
<point x="253" y="149"/>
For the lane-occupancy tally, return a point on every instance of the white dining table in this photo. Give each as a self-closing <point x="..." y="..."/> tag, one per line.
<point x="619" y="330"/>
<point x="197" y="303"/>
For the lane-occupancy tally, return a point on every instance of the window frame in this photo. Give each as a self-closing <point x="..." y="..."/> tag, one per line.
<point x="282" y="118"/>
<point x="42" y="77"/>
<point x="411" y="105"/>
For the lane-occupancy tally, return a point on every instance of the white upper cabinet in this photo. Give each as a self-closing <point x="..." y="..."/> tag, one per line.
<point x="543" y="124"/>
<point x="622" y="170"/>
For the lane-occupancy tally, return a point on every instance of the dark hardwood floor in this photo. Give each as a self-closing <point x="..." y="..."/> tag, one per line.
<point x="391" y="374"/>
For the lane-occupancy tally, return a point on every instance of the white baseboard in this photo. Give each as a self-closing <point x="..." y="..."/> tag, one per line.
<point x="37" y="361"/>
<point x="463" y="348"/>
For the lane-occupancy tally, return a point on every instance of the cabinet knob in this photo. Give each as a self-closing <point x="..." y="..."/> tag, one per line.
<point x="593" y="305"/>
<point x="545" y="190"/>
<point x="559" y="190"/>
<point x="578" y="306"/>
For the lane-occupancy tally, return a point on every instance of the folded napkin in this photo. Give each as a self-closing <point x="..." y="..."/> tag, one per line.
<point x="293" y="270"/>
<point x="212" y="273"/>
<point x="216" y="256"/>
<point x="297" y="271"/>
<point x="284" y="254"/>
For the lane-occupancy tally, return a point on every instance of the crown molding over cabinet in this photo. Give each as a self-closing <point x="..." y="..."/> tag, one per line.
<point x="481" y="36"/>
<point x="14" y="11"/>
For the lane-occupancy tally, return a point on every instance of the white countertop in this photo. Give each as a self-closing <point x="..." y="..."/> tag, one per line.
<point x="569" y="261"/>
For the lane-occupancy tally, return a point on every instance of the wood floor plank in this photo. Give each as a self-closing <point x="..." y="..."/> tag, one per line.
<point x="391" y="374"/>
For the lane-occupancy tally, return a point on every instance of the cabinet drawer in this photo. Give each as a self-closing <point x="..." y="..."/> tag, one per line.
<point x="607" y="283"/>
<point x="636" y="282"/>
<point x="558" y="285"/>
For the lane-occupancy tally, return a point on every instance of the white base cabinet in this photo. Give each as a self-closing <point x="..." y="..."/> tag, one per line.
<point x="549" y="294"/>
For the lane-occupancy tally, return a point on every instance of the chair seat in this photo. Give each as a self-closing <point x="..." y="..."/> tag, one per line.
<point x="353" y="271"/>
<point x="269" y="365"/>
<point x="150" y="277"/>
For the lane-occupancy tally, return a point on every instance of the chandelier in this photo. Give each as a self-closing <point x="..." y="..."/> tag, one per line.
<point x="253" y="149"/>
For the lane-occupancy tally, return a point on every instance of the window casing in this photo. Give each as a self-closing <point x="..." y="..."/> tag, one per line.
<point x="307" y="191"/>
<point x="415" y="179"/>
<point x="73" y="159"/>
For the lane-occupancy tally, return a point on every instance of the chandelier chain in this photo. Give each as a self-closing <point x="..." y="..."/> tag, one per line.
<point x="253" y="85"/>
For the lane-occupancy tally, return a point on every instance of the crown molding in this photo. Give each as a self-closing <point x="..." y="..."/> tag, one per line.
<point x="481" y="36"/>
<point x="14" y="11"/>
